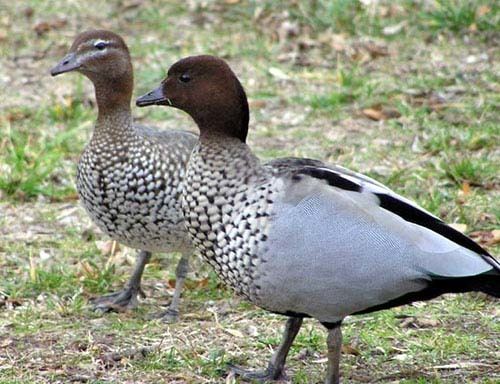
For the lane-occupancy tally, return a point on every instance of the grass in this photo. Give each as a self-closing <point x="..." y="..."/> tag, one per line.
<point x="438" y="71"/>
<point x="458" y="16"/>
<point x="40" y="162"/>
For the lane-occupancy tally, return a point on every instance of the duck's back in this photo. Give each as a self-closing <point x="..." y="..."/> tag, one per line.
<point x="131" y="186"/>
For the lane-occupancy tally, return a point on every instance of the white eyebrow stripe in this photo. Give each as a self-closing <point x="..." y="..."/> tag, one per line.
<point x="97" y="41"/>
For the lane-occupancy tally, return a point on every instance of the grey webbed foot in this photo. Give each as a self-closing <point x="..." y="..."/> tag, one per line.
<point x="276" y="365"/>
<point x="117" y="301"/>
<point x="172" y="313"/>
<point x="270" y="374"/>
<point x="127" y="297"/>
<point x="169" y="316"/>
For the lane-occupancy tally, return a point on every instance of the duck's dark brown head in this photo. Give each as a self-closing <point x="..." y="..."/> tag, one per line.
<point x="207" y="89"/>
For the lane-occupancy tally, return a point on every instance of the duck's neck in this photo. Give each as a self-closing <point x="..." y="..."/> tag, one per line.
<point x="113" y="103"/>
<point x="227" y="119"/>
<point x="226" y="156"/>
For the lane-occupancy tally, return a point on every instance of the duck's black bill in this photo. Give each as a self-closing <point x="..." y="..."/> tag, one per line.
<point x="67" y="64"/>
<point x="155" y="97"/>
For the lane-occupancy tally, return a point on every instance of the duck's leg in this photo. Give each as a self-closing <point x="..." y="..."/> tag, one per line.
<point x="276" y="364"/>
<point x="334" y="343"/>
<point x="172" y="314"/>
<point x="127" y="297"/>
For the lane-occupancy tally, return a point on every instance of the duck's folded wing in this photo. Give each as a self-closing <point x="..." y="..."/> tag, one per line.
<point x="387" y="200"/>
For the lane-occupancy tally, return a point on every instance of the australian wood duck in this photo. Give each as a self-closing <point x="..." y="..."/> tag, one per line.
<point x="129" y="176"/>
<point x="303" y="238"/>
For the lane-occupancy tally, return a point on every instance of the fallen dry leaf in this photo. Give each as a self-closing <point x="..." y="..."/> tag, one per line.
<point x="234" y="332"/>
<point x="496" y="236"/>
<point x="17" y="115"/>
<point x="278" y="73"/>
<point x="435" y="101"/>
<point x="41" y="28"/>
<point x="202" y="283"/>
<point x="131" y="4"/>
<point x="474" y="59"/>
<point x="462" y="365"/>
<point x="378" y="113"/>
<point x="10" y="303"/>
<point x="112" y="359"/>
<point x="394" y="29"/>
<point x="191" y="284"/>
<point x="107" y="247"/>
<point x="465" y="188"/>
<point x="58" y="23"/>
<point x="350" y="350"/>
<point x="373" y="114"/>
<point x="28" y="12"/>
<point x="336" y="41"/>
<point x="419" y="322"/>
<point x="33" y="270"/>
<point x="88" y="270"/>
<point x="483" y="10"/>
<point x="401" y="357"/>
<point x="376" y="50"/>
<point x="320" y="361"/>
<point x="252" y="331"/>
<point x="5" y="343"/>
<point x="45" y="254"/>
<point x="45" y="26"/>
<point x="256" y="104"/>
<point x="65" y="199"/>
<point x="488" y="238"/>
<point x="459" y="227"/>
<point x="288" y="29"/>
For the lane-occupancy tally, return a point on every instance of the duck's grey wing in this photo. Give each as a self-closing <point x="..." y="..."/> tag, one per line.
<point x="343" y="178"/>
<point x="174" y="137"/>
<point x="343" y="244"/>
<point x="287" y="164"/>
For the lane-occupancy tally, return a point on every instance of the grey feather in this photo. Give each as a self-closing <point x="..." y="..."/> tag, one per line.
<point x="332" y="252"/>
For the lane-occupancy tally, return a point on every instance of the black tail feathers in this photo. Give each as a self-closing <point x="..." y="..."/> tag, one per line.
<point x="490" y="283"/>
<point x="487" y="282"/>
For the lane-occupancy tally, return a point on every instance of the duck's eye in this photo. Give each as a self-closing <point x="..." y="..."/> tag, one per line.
<point x="100" y="45"/>
<point x="185" y="78"/>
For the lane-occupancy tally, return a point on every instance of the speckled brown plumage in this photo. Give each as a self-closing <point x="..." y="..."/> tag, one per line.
<point x="130" y="184"/>
<point x="129" y="176"/>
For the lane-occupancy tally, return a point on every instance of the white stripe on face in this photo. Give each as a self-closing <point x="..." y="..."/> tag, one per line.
<point x="100" y="44"/>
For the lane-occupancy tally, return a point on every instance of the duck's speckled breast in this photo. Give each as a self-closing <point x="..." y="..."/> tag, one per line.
<point x="132" y="189"/>
<point x="227" y="212"/>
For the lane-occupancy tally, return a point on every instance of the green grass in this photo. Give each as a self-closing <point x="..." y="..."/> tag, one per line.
<point x="440" y="73"/>
<point x="351" y="17"/>
<point x="39" y="160"/>
<point x="459" y="16"/>
<point x="352" y="86"/>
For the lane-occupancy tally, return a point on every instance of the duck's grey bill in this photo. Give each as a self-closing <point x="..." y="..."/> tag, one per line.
<point x="67" y="64"/>
<point x="155" y="97"/>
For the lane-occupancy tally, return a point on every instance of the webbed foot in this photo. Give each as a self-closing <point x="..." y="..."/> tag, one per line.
<point x="117" y="301"/>
<point x="270" y="374"/>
